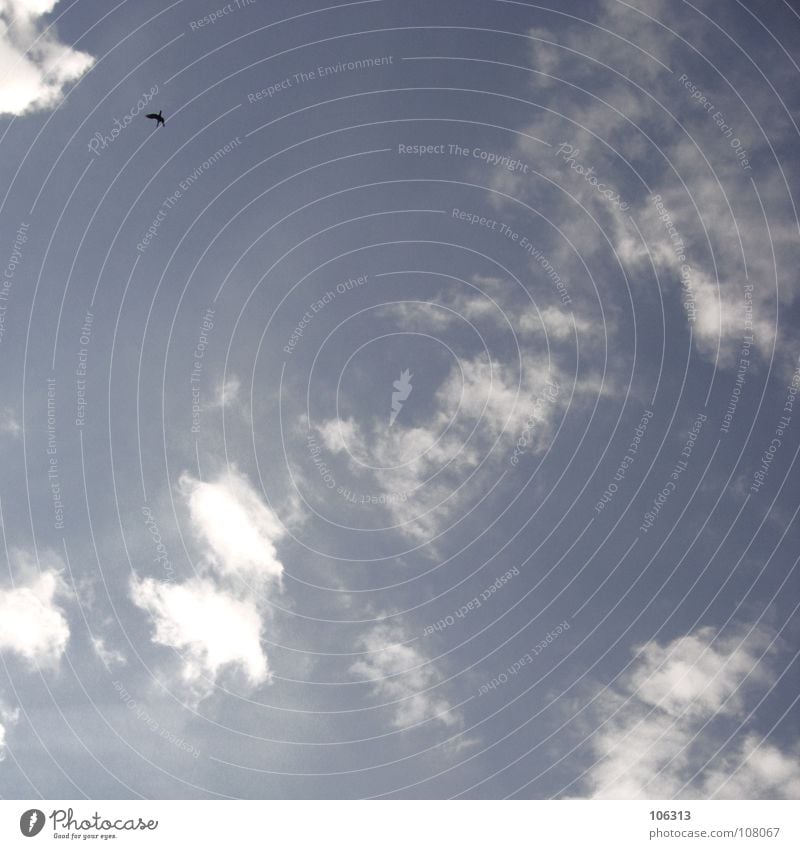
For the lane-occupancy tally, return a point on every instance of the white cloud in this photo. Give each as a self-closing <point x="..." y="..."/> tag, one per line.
<point x="9" y="424"/>
<point x="403" y="677"/>
<point x="545" y="53"/>
<point x="692" y="677"/>
<point x="7" y="717"/>
<point x="109" y="657"/>
<point x="340" y="435"/>
<point x="559" y="325"/>
<point x="34" y="65"/>
<point x="495" y="394"/>
<point x="719" y="320"/>
<point x="755" y="771"/>
<point x="208" y="626"/>
<point x="238" y="529"/>
<point x="480" y="409"/>
<point x="495" y="302"/>
<point x="32" y="625"/>
<point x="731" y="233"/>
<point x="227" y="392"/>
<point x="215" y="620"/>
<point x="664" y="722"/>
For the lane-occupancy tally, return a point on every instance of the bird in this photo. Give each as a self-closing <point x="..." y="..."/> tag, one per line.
<point x="156" y="116"/>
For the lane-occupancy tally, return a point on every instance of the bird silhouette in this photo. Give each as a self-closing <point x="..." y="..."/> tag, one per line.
<point x="157" y="118"/>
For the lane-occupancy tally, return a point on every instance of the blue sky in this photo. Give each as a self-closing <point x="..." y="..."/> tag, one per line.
<point x="413" y="414"/>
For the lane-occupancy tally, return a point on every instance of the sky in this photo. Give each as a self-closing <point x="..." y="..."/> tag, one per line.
<point x="414" y="414"/>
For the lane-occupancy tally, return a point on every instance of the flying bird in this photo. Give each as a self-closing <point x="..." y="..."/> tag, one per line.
<point x="157" y="118"/>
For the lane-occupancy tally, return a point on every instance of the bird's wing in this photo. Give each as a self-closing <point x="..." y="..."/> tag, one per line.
<point x="153" y="115"/>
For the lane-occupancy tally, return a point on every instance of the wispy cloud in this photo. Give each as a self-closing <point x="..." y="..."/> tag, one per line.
<point x="479" y="411"/>
<point x="403" y="678"/>
<point x="9" y="424"/>
<point x="227" y="393"/>
<point x="108" y="656"/>
<point x="664" y="726"/>
<point x="731" y="233"/>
